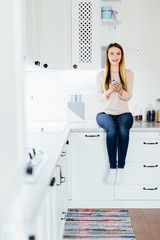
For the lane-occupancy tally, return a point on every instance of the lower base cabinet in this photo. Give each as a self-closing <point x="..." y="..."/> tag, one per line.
<point x="49" y="219"/>
<point x="90" y="166"/>
<point x="79" y="180"/>
<point x="61" y="194"/>
<point x="138" y="192"/>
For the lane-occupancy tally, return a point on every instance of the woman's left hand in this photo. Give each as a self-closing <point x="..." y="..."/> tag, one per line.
<point x="118" y="87"/>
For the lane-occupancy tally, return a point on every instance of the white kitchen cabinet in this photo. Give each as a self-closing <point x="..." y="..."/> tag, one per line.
<point x="69" y="34"/>
<point x="85" y="34"/>
<point x="61" y="192"/>
<point x="48" y="33"/>
<point x="48" y="216"/>
<point x="56" y="34"/>
<point x="43" y="225"/>
<point x="32" y="33"/>
<point x="90" y="34"/>
<point x="142" y="171"/>
<point x="89" y="167"/>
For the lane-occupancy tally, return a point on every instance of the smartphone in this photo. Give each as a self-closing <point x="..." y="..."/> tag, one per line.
<point x="115" y="80"/>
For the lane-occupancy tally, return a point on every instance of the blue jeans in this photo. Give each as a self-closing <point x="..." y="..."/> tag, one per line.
<point x="117" y="128"/>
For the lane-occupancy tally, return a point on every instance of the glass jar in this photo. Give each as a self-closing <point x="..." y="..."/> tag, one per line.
<point x="137" y="113"/>
<point x="150" y="113"/>
<point x="158" y="109"/>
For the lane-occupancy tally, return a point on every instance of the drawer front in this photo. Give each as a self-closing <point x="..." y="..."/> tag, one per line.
<point x="137" y="192"/>
<point x="144" y="135"/>
<point x="143" y="150"/>
<point x="142" y="172"/>
<point x="91" y="135"/>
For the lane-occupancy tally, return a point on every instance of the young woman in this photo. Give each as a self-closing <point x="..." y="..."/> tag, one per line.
<point x="114" y="89"/>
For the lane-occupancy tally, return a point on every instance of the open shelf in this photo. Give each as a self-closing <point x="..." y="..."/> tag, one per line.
<point x="107" y="20"/>
<point x="108" y="32"/>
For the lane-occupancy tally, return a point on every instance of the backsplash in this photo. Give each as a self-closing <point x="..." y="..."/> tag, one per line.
<point x="48" y="95"/>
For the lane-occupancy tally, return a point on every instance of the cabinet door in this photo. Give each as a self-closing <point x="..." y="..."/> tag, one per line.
<point x="56" y="34"/>
<point x="141" y="173"/>
<point x="143" y="147"/>
<point x="137" y="192"/>
<point x="85" y="34"/>
<point x="38" y="228"/>
<point x="32" y="31"/>
<point x="61" y="193"/>
<point x="48" y="33"/>
<point x="89" y="167"/>
<point x="43" y="225"/>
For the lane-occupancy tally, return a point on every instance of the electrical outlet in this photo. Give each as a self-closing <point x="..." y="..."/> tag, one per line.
<point x="132" y="50"/>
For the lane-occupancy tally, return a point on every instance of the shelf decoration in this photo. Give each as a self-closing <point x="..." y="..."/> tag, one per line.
<point x="108" y="13"/>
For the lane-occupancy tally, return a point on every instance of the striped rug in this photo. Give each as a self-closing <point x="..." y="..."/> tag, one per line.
<point x="98" y="224"/>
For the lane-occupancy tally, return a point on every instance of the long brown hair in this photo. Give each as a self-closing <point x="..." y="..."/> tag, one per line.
<point x="122" y="72"/>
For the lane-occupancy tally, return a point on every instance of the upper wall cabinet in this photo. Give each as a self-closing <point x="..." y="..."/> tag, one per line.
<point x="85" y="34"/>
<point x="32" y="31"/>
<point x="95" y="24"/>
<point x="71" y="34"/>
<point x="48" y="33"/>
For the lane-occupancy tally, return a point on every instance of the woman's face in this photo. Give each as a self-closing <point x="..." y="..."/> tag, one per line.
<point x="114" y="55"/>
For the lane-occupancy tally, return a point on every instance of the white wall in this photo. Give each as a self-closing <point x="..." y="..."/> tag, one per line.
<point x="139" y="30"/>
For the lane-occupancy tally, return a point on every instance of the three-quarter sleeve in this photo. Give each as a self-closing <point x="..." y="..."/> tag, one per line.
<point x="126" y="95"/>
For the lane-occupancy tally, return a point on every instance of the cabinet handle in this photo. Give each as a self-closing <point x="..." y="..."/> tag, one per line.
<point x="150" y="142"/>
<point x="64" y="216"/>
<point x="53" y="180"/>
<point x="63" y="154"/>
<point x="32" y="237"/>
<point x="150" y="188"/>
<point x="62" y="179"/>
<point x="150" y="166"/>
<point x="92" y="135"/>
<point x="37" y="63"/>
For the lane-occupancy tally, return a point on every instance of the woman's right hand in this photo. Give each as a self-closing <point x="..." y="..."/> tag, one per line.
<point x="112" y="87"/>
<point x="109" y="91"/>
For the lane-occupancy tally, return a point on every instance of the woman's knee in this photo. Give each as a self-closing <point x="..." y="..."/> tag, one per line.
<point x="100" y="120"/>
<point x="126" y="121"/>
<point x="124" y="132"/>
<point x="106" y="122"/>
<point x="112" y="132"/>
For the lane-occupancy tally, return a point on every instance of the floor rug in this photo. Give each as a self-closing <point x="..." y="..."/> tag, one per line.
<point x="98" y="224"/>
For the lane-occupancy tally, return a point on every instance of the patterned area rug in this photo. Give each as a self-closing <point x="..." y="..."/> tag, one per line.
<point x="98" y="224"/>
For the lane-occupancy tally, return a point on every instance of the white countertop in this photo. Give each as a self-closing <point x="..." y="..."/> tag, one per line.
<point x="57" y="127"/>
<point x="137" y="127"/>
<point x="51" y="143"/>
